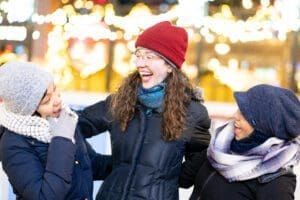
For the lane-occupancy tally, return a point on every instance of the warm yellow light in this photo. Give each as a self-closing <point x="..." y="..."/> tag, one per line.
<point x="78" y="4"/>
<point x="122" y="64"/>
<point x="140" y="10"/>
<point x="247" y="4"/>
<point x="119" y="35"/>
<point x="88" y="60"/>
<point x="233" y="64"/>
<point x="109" y="9"/>
<point x="59" y="17"/>
<point x="213" y="64"/>
<point x="131" y="45"/>
<point x="204" y="31"/>
<point x="222" y="48"/>
<point x="98" y="11"/>
<point x="265" y="3"/>
<point x="226" y="11"/>
<point x="36" y="35"/>
<point x="77" y="50"/>
<point x="69" y="10"/>
<point x="210" y="38"/>
<point x="15" y="33"/>
<point x="197" y="37"/>
<point x="89" y="5"/>
<point x="190" y="70"/>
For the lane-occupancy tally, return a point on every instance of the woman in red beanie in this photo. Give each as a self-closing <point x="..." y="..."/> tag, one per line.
<point x="154" y="119"/>
<point x="252" y="158"/>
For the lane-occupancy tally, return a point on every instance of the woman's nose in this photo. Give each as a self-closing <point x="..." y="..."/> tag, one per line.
<point x="140" y="62"/>
<point x="57" y="100"/>
<point x="236" y="115"/>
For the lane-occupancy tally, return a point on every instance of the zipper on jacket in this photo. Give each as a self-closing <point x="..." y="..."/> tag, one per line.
<point x="207" y="180"/>
<point x="136" y="154"/>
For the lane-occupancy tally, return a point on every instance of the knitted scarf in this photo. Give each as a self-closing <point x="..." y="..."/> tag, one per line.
<point x="256" y="138"/>
<point x="268" y="157"/>
<point x="152" y="98"/>
<point x="30" y="126"/>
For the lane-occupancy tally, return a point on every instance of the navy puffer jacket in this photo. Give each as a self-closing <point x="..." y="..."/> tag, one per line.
<point x="144" y="165"/>
<point x="59" y="170"/>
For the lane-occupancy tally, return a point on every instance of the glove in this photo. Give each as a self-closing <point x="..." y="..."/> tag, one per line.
<point x="64" y="125"/>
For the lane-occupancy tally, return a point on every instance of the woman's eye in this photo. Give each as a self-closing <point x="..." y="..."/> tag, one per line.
<point x="45" y="101"/>
<point x="149" y="57"/>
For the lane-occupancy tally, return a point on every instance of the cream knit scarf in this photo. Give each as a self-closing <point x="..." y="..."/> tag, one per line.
<point x="266" y="158"/>
<point x="30" y="126"/>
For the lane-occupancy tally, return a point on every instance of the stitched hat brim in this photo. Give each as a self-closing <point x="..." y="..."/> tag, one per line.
<point x="244" y="106"/>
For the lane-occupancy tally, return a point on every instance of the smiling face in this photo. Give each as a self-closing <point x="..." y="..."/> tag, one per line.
<point x="152" y="68"/>
<point x="242" y="128"/>
<point x="50" y="105"/>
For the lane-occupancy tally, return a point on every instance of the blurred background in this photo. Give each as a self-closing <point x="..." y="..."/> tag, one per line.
<point x="87" y="45"/>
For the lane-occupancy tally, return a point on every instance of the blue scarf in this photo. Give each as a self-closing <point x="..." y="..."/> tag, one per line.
<point x="152" y="98"/>
<point x="256" y="138"/>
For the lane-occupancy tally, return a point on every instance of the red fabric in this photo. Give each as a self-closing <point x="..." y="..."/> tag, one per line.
<point x="166" y="39"/>
<point x="101" y="2"/>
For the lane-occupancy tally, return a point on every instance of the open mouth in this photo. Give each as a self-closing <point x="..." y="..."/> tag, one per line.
<point x="146" y="76"/>
<point x="57" y="112"/>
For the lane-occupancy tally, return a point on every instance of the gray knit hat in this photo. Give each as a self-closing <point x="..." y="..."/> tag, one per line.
<point x="22" y="86"/>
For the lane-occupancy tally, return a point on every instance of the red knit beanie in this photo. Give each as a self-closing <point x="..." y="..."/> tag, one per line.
<point x="168" y="40"/>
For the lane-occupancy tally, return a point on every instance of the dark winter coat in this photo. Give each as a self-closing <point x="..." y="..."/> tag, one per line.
<point x="2" y="129"/>
<point x="59" y="170"/>
<point x="144" y="165"/>
<point x="210" y="185"/>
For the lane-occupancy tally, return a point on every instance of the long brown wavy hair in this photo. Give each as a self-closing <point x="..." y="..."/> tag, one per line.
<point x="177" y="98"/>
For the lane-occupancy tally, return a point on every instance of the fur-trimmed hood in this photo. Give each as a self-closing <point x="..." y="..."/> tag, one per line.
<point x="197" y="94"/>
<point x="1" y="133"/>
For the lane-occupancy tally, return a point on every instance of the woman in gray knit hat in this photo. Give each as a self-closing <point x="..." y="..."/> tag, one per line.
<point x="41" y="152"/>
<point x="252" y="158"/>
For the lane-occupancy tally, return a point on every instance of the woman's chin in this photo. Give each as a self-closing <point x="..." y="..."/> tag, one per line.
<point x="55" y="114"/>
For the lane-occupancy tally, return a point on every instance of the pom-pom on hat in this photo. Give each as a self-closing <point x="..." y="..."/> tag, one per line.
<point x="271" y="110"/>
<point x="22" y="86"/>
<point x="166" y="39"/>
